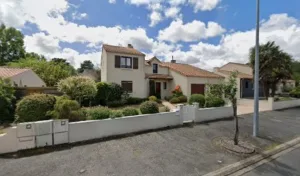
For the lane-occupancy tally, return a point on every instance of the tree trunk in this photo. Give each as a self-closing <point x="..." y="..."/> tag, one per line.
<point x="273" y="89"/>
<point x="266" y="90"/>
<point x="236" y="135"/>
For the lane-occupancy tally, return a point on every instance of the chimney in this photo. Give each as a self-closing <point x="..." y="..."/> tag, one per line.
<point x="130" y="46"/>
<point x="173" y="61"/>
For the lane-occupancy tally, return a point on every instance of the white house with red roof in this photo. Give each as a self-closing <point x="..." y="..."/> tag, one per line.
<point x="22" y="77"/>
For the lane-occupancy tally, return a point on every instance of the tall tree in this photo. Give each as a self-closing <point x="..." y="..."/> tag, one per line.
<point x="65" y="64"/>
<point x="11" y="45"/>
<point x="36" y="56"/>
<point x="274" y="65"/>
<point x="87" y="64"/>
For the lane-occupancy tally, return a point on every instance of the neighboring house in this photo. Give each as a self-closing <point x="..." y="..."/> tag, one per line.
<point x="141" y="78"/>
<point x="21" y="77"/>
<point x="92" y="73"/>
<point x="245" y="82"/>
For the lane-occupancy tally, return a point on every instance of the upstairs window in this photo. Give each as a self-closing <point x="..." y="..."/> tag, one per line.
<point x="126" y="62"/>
<point x="155" y="68"/>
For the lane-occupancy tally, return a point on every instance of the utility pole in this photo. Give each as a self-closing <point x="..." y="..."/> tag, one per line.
<point x="256" y="77"/>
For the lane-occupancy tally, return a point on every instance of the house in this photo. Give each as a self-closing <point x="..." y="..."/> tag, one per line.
<point x="245" y="82"/>
<point x="141" y="78"/>
<point x="91" y="73"/>
<point x="21" y="77"/>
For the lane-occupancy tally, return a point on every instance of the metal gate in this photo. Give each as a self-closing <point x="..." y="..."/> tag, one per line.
<point x="188" y="114"/>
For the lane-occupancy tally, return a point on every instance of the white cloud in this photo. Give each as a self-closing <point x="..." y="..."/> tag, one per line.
<point x="112" y="1"/>
<point x="155" y="18"/>
<point x="79" y="16"/>
<point x="204" y="5"/>
<point x="193" y="31"/>
<point x="11" y="13"/>
<point x="176" y="2"/>
<point x="172" y="12"/>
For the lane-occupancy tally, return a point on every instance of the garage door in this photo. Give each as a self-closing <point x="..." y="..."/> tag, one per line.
<point x="197" y="88"/>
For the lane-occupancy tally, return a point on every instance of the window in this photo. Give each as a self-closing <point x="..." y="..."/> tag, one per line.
<point x="165" y="85"/>
<point x="155" y="68"/>
<point x="127" y="86"/>
<point x="126" y="62"/>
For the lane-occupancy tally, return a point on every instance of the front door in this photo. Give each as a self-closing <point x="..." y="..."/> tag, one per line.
<point x="158" y="90"/>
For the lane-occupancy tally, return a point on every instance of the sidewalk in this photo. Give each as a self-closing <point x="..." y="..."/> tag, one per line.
<point x="179" y="151"/>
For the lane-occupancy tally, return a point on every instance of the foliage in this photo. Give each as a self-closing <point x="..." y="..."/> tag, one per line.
<point x="116" y="114"/>
<point x="116" y="103"/>
<point x="175" y="100"/>
<point x="86" y="65"/>
<point x="6" y="101"/>
<point x="35" y="56"/>
<point x="182" y="99"/>
<point x="295" y="92"/>
<point x="197" y="98"/>
<point x="168" y="98"/>
<point x="274" y="65"/>
<point x="149" y="107"/>
<point x="67" y="109"/>
<point x="216" y="90"/>
<point x="130" y="111"/>
<point x="135" y="100"/>
<point x="35" y="107"/>
<point x="287" y="88"/>
<point x="164" y="109"/>
<point x="11" y="45"/>
<point x="107" y="92"/>
<point x="78" y="87"/>
<point x="50" y="72"/>
<point x="152" y="98"/>
<point x="98" y="113"/>
<point x="213" y="101"/>
<point x="177" y="91"/>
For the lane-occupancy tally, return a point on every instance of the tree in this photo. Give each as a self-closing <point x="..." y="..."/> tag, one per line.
<point x="230" y="90"/>
<point x="36" y="56"/>
<point x="296" y="71"/>
<point x="6" y="101"/>
<point x="65" y="64"/>
<point x="50" y="72"/>
<point x="78" y="88"/>
<point x="274" y="66"/>
<point x="11" y="45"/>
<point x="87" y="64"/>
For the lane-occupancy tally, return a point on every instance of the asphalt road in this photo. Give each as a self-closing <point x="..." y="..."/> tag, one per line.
<point x="186" y="151"/>
<point x="285" y="165"/>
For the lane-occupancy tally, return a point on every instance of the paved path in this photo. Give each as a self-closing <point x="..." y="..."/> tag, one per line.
<point x="179" y="151"/>
<point x="169" y="105"/>
<point x="285" y="165"/>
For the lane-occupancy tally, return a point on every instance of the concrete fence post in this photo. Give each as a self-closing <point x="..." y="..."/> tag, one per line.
<point x="180" y="107"/>
<point x="195" y="109"/>
<point x="271" y="103"/>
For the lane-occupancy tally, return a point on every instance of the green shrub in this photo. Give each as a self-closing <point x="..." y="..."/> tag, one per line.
<point x="174" y="100"/>
<point x="182" y="98"/>
<point x="135" y="100"/>
<point x="35" y="107"/>
<point x="116" y="103"/>
<point x="295" y="92"/>
<point x="7" y="101"/>
<point x="152" y="98"/>
<point x="107" y="92"/>
<point x="116" y="114"/>
<point x="158" y="101"/>
<point x="168" y="98"/>
<point x="149" y="107"/>
<point x="98" y="113"/>
<point x="214" y="101"/>
<point x="197" y="98"/>
<point x="130" y="111"/>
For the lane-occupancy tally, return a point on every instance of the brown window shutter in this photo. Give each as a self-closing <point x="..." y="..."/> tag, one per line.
<point x="135" y="63"/>
<point x="117" y="61"/>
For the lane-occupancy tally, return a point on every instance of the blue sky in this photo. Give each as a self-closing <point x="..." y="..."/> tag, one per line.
<point x="205" y="33"/>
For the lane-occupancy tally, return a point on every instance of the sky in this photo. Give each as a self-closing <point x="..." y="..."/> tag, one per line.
<point x="204" y="33"/>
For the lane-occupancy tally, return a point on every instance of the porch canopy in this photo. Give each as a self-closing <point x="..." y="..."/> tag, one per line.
<point x="158" y="76"/>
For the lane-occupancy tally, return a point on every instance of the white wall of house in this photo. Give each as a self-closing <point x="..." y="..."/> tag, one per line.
<point x="236" y="67"/>
<point x="198" y="80"/>
<point x="180" y="80"/>
<point x="161" y="70"/>
<point x="28" y="79"/>
<point x="104" y="66"/>
<point x="238" y="83"/>
<point x="117" y="75"/>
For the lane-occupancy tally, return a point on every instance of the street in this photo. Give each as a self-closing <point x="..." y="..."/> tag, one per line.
<point x="285" y="165"/>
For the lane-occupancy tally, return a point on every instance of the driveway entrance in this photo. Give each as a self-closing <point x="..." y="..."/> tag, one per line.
<point x="246" y="106"/>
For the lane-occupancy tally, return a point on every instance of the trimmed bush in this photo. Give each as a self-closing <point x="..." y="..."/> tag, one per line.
<point x="152" y="98"/>
<point x="130" y="111"/>
<point x="35" y="107"/>
<point x="116" y="114"/>
<point x="149" y="107"/>
<point x="182" y="98"/>
<point x="168" y="98"/>
<point x="116" y="103"/>
<point x="214" y="101"/>
<point x="107" y="92"/>
<point x="7" y="101"/>
<point x="174" y="100"/>
<point x="197" y="98"/>
<point x="295" y="92"/>
<point x="135" y="100"/>
<point x="98" y="113"/>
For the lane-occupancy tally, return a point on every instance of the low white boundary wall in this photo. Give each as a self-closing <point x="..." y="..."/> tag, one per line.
<point x="276" y="105"/>
<point x="87" y="130"/>
<point x="207" y="114"/>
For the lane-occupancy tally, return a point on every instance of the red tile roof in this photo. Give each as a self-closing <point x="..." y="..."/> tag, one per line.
<point x="6" y="72"/>
<point x="189" y="70"/>
<point x="122" y="50"/>
<point x="240" y="75"/>
<point x="159" y="76"/>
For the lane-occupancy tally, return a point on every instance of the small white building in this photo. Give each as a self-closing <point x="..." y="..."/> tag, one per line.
<point x="22" y="77"/>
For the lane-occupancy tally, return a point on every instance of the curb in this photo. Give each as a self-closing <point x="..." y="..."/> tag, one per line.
<point x="232" y="168"/>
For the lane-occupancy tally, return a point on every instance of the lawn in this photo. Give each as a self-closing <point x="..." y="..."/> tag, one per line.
<point x="161" y="107"/>
<point x="283" y="98"/>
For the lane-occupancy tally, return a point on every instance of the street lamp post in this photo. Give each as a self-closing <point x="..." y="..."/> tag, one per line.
<point x="256" y="77"/>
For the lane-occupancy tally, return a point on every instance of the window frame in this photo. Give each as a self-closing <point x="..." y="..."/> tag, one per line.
<point x="126" y="60"/>
<point x="125" y="88"/>
<point x="154" y="64"/>
<point x="165" y="85"/>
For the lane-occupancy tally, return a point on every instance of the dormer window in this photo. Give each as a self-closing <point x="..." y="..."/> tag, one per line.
<point x="155" y="68"/>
